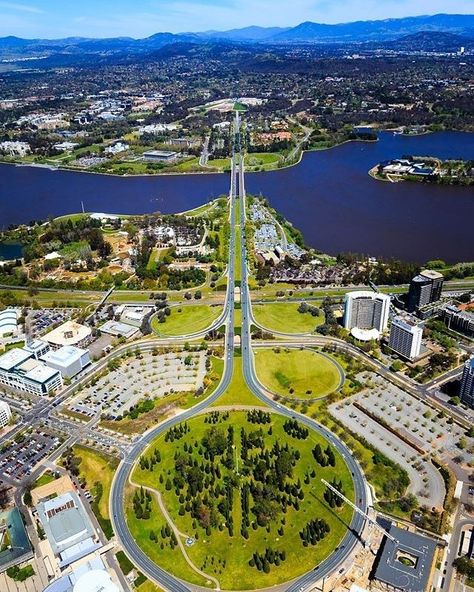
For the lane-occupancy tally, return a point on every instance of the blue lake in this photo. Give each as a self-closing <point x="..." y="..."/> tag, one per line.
<point x="329" y="196"/>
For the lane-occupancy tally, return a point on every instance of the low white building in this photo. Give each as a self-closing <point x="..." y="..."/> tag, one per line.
<point x="5" y="414"/>
<point x="160" y="156"/>
<point x="37" y="347"/>
<point x="69" y="360"/>
<point x="69" y="333"/>
<point x="52" y="256"/>
<point x="15" y="148"/>
<point x="64" y="146"/>
<point x="134" y="315"/>
<point x="117" y="148"/>
<point x="90" y="576"/>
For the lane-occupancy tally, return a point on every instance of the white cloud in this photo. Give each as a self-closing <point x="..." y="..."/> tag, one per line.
<point x="21" y="7"/>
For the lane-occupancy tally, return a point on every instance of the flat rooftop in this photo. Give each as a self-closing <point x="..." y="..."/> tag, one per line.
<point x="69" y="333"/>
<point x="36" y="345"/>
<point x="406" y="322"/>
<point x="64" y="356"/>
<point x="37" y="371"/>
<point x="431" y="274"/>
<point x="405" y="564"/>
<point x="116" y="328"/>
<point x="65" y="521"/>
<point x="160" y="153"/>
<point x="13" y="358"/>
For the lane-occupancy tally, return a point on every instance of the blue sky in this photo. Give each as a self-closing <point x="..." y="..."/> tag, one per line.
<point x="140" y="18"/>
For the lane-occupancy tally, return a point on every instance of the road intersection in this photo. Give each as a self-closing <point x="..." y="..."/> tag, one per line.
<point x="117" y="510"/>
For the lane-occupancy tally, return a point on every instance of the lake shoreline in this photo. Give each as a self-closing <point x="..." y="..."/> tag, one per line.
<point x="329" y="196"/>
<point x="177" y="173"/>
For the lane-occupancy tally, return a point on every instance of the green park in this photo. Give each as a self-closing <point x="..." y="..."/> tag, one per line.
<point x="240" y="494"/>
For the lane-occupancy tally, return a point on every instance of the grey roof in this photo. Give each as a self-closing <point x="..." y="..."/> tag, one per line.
<point x="65" y="521"/>
<point x="14" y="358"/>
<point x="64" y="356"/>
<point x="405" y="577"/>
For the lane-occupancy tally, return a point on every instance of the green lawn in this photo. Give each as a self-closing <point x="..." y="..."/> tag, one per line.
<point x="219" y="163"/>
<point x="98" y="471"/>
<point x="149" y="587"/>
<point x="44" y="480"/>
<point x="235" y="550"/>
<point x="284" y="317"/>
<point x="261" y="158"/>
<point x="309" y="373"/>
<point x="191" y="164"/>
<point x="125" y="564"/>
<point x="171" y="560"/>
<point x="46" y="299"/>
<point x="186" y="319"/>
<point x="202" y="210"/>
<point x="238" y="393"/>
<point x="240" y="107"/>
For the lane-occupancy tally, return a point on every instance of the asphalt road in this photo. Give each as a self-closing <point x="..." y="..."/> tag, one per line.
<point x="117" y="510"/>
<point x="357" y="524"/>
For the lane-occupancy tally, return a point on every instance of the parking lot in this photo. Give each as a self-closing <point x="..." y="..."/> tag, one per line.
<point x="415" y="420"/>
<point x="419" y="426"/>
<point x="18" y="460"/>
<point x="425" y="481"/>
<point x="46" y="319"/>
<point x="147" y="376"/>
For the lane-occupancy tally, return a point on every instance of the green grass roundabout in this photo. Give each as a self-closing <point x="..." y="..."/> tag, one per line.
<point x="246" y="486"/>
<point x="298" y="373"/>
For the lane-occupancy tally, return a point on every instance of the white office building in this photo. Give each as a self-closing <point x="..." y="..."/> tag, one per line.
<point x="5" y="414"/>
<point x="19" y="369"/>
<point x="366" y="312"/>
<point x="37" y="347"/>
<point x="90" y="576"/>
<point x="69" y="360"/>
<point x="405" y="337"/>
<point x="69" y="333"/>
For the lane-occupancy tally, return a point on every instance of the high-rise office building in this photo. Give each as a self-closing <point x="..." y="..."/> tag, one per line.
<point x="366" y="311"/>
<point x="467" y="384"/>
<point x="405" y="337"/>
<point x="425" y="288"/>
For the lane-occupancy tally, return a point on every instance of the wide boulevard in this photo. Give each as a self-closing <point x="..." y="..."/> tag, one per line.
<point x="117" y="509"/>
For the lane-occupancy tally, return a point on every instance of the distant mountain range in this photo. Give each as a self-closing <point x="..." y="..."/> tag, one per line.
<point x="460" y="24"/>
<point x="461" y="27"/>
